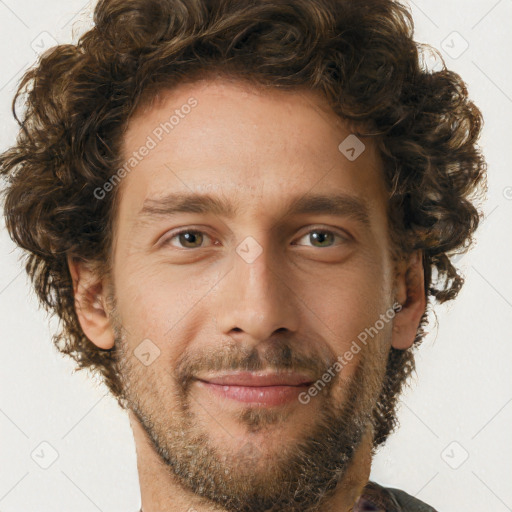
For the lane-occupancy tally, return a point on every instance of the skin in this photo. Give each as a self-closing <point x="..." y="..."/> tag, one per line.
<point x="203" y="306"/>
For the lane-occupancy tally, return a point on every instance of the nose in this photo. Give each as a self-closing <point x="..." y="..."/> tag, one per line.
<point x="256" y="298"/>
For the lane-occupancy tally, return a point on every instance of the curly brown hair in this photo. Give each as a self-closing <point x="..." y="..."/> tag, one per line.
<point x="360" y="55"/>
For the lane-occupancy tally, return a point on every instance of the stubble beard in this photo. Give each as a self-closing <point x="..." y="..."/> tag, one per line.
<point x="299" y="478"/>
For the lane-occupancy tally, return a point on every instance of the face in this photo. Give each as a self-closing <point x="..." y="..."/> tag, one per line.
<point x="230" y="312"/>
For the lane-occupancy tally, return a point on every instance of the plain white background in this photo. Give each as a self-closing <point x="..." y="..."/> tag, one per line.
<point x="453" y="447"/>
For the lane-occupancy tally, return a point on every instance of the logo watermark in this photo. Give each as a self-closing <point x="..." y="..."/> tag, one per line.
<point x="137" y="156"/>
<point x="348" y="355"/>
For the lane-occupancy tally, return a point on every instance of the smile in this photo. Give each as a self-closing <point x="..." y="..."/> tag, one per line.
<point x="265" y="389"/>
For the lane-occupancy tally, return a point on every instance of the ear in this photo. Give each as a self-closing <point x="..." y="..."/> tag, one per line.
<point x="90" y="301"/>
<point x="410" y="293"/>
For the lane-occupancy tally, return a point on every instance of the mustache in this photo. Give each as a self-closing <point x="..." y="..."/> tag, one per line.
<point x="278" y="356"/>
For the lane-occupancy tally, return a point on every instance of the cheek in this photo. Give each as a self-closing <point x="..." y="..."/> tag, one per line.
<point x="346" y="299"/>
<point x="156" y="301"/>
<point x="347" y="306"/>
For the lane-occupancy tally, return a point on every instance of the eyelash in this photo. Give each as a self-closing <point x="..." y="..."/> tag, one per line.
<point x="167" y="241"/>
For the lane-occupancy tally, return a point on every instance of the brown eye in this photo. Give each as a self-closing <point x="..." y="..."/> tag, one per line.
<point x="187" y="239"/>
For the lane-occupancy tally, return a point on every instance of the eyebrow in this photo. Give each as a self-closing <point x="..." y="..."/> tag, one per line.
<point x="340" y="204"/>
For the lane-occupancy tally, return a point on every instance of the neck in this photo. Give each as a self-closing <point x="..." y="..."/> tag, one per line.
<point x="161" y="491"/>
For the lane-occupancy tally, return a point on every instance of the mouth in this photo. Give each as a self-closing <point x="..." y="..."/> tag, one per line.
<point x="258" y="388"/>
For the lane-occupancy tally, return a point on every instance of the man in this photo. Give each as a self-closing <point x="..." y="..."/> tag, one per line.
<point x="240" y="212"/>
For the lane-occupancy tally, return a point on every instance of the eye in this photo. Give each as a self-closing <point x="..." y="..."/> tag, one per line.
<point x="324" y="237"/>
<point x="187" y="238"/>
<point x="193" y="239"/>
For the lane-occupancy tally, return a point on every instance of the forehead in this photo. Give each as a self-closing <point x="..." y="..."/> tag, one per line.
<point x="253" y="146"/>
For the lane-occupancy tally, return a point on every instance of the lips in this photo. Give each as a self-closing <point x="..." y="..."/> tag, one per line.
<point x="261" y="389"/>
<point x="258" y="379"/>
